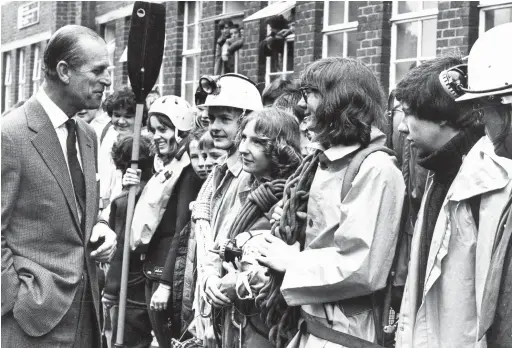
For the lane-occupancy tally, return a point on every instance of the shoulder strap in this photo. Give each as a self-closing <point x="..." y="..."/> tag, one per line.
<point x="355" y="164"/>
<point x="105" y="130"/>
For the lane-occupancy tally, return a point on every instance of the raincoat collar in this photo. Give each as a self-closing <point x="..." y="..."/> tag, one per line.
<point x="340" y="151"/>
<point x="482" y="171"/>
<point x="233" y="163"/>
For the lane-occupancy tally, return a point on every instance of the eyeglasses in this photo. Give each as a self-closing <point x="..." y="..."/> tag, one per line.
<point x="306" y="90"/>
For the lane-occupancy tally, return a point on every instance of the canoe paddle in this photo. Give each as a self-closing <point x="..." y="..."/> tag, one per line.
<point x="145" y="51"/>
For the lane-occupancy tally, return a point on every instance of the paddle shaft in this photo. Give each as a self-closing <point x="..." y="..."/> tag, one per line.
<point x="128" y="227"/>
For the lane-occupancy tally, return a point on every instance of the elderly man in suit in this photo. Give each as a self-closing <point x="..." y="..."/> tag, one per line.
<point x="50" y="233"/>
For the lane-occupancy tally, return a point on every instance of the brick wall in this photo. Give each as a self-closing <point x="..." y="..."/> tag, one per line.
<point x="10" y="30"/>
<point x="102" y="7"/>
<point x="66" y="12"/>
<point x="308" y="34"/>
<point x="172" y="61"/>
<point x="374" y="36"/>
<point x="457" y="27"/>
<point x="251" y="62"/>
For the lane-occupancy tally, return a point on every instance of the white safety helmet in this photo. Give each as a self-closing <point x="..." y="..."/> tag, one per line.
<point x="177" y="109"/>
<point x="489" y="69"/>
<point x="233" y="90"/>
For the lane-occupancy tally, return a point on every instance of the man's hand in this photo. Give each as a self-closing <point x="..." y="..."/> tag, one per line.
<point x="215" y="297"/>
<point x="276" y="254"/>
<point x="160" y="298"/>
<point x="105" y="251"/>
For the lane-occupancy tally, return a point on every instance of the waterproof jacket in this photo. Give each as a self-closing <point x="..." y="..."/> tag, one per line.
<point x="459" y="256"/>
<point x="349" y="244"/>
<point x="496" y="317"/>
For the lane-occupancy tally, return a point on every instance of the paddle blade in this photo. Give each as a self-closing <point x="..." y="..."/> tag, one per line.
<point x="145" y="46"/>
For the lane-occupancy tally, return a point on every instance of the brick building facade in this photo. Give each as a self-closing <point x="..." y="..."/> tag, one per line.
<point x="389" y="36"/>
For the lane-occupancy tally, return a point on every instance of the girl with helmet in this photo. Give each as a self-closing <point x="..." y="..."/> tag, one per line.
<point x="160" y="227"/>
<point x="229" y="98"/>
<point x="489" y="79"/>
<point x="453" y="310"/>
<point x="269" y="147"/>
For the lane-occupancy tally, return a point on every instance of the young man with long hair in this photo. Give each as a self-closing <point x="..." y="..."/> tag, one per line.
<point x="328" y="254"/>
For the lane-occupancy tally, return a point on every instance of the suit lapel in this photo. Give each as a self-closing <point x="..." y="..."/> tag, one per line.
<point x="48" y="146"/>
<point x="88" y="166"/>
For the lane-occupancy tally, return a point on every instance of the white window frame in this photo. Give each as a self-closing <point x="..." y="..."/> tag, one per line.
<point x="24" y="11"/>
<point x="8" y="81"/>
<point x="284" y="72"/>
<point x="111" y="47"/>
<point x="344" y="28"/>
<point x="224" y="9"/>
<point x="410" y="17"/>
<point x="489" y="6"/>
<point x="36" y="72"/>
<point x="194" y="52"/>
<point x="22" y="71"/>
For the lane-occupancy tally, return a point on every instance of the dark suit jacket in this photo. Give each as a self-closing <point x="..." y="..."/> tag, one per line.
<point x="44" y="250"/>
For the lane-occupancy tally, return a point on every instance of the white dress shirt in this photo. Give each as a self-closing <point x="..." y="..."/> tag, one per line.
<point x="58" y="119"/>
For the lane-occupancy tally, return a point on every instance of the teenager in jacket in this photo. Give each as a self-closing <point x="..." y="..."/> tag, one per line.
<point x="335" y="252"/>
<point x="489" y="72"/>
<point x="226" y="107"/>
<point x="162" y="215"/>
<point x="443" y="132"/>
<point x="269" y="146"/>
<point x="137" y="324"/>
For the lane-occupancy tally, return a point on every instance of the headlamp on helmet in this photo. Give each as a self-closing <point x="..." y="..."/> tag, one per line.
<point x="210" y="84"/>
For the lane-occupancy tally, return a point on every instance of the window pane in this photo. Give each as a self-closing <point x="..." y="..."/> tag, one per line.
<point x="189" y="93"/>
<point x="289" y="58"/>
<point x="190" y="66"/>
<point x="233" y="6"/>
<point x="336" y="12"/>
<point x="335" y="45"/>
<point x="191" y="12"/>
<point x="429" y="5"/>
<point x="402" y="69"/>
<point x="353" y="9"/>
<point x="191" y="36"/>
<point x="409" y="6"/>
<point x="428" y="42"/>
<point x="407" y="40"/>
<point x="276" y="63"/>
<point x="497" y="17"/>
<point x="352" y="44"/>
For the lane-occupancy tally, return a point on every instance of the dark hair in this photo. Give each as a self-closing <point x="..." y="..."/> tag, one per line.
<point x="280" y="131"/>
<point x="122" y="154"/>
<point x="206" y="141"/>
<point x="123" y="98"/>
<point x="277" y="88"/>
<point x="200" y="96"/>
<point x="193" y="135"/>
<point x="65" y="44"/>
<point x="352" y="100"/>
<point x="289" y="100"/>
<point x="225" y="23"/>
<point x="277" y="22"/>
<point x="425" y="97"/>
<point x="166" y="122"/>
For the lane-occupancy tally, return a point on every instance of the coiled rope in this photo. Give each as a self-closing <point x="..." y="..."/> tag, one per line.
<point x="281" y="318"/>
<point x="259" y="202"/>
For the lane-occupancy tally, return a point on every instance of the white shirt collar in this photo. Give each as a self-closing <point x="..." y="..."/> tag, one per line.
<point x="56" y="115"/>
